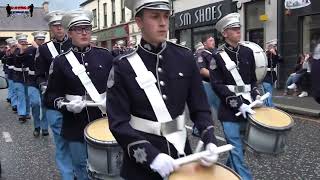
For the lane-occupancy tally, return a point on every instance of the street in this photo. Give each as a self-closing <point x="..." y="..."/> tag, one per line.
<point x="28" y="158"/>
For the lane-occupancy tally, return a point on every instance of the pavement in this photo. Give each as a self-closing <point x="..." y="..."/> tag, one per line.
<point x="306" y="106"/>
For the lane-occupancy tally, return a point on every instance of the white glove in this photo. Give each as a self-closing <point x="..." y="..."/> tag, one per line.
<point x="163" y="164"/>
<point x="260" y="103"/>
<point x="212" y="158"/>
<point x="244" y="109"/>
<point x="75" y="106"/>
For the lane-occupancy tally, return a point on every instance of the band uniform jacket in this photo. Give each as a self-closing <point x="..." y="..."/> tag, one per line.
<point x="203" y="60"/>
<point x="179" y="83"/>
<point x="273" y="61"/>
<point x="29" y="62"/>
<point x="62" y="81"/>
<point x="44" y="58"/>
<point x="220" y="77"/>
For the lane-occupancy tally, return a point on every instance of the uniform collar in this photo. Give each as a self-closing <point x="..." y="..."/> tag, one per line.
<point x="63" y="40"/>
<point x="79" y="50"/>
<point x="231" y="48"/>
<point x="150" y="48"/>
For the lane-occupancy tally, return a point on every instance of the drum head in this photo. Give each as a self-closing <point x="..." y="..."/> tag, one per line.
<point x="195" y="171"/>
<point x="98" y="131"/>
<point x="272" y="118"/>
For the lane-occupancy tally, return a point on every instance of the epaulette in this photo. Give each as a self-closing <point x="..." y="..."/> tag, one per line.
<point x="178" y="45"/>
<point x="99" y="47"/>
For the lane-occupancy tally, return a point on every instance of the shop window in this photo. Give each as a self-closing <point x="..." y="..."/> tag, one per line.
<point x="185" y="35"/>
<point x="311" y="32"/>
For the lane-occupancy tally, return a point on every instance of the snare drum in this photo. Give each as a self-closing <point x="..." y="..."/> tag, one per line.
<point x="104" y="154"/>
<point x="267" y="130"/>
<point x="195" y="171"/>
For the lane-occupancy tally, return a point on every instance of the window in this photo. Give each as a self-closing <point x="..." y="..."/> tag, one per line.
<point x="255" y="27"/>
<point x="105" y="20"/>
<point x="94" y="12"/>
<point x="311" y="32"/>
<point x="123" y="12"/>
<point x="113" y="12"/>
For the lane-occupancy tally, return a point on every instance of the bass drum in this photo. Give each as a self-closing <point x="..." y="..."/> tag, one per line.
<point x="260" y="59"/>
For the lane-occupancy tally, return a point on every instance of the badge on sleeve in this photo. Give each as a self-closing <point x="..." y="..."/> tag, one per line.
<point x="110" y="82"/>
<point x="213" y="64"/>
<point x="233" y="103"/>
<point x="140" y="155"/>
<point x="200" y="59"/>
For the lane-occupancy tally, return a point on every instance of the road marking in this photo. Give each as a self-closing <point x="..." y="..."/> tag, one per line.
<point x="218" y="137"/>
<point x="6" y="136"/>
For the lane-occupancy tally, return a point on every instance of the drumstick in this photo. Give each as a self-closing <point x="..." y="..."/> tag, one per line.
<point x="254" y="103"/>
<point x="88" y="103"/>
<point x="199" y="146"/>
<point x="199" y="155"/>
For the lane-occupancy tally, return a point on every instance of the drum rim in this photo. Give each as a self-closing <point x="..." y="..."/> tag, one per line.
<point x="94" y="140"/>
<point x="288" y="127"/>
<point x="226" y="167"/>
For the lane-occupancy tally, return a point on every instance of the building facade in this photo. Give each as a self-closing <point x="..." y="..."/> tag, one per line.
<point x="193" y="19"/>
<point x="299" y="33"/>
<point x="112" y="22"/>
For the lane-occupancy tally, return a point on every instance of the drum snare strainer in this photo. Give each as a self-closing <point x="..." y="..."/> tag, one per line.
<point x="267" y="130"/>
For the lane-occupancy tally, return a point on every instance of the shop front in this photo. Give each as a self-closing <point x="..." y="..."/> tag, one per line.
<point x="299" y="33"/>
<point x="108" y="37"/>
<point x="192" y="24"/>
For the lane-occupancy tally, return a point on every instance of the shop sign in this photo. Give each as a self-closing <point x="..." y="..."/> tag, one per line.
<point x="296" y="4"/>
<point x="113" y="33"/>
<point x="205" y="15"/>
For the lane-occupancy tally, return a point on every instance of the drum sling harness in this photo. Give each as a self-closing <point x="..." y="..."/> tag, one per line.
<point x="80" y="71"/>
<point x="172" y="129"/>
<point x="52" y="49"/>
<point x="240" y="88"/>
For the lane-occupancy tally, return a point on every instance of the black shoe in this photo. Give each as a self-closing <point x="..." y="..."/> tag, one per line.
<point x="36" y="132"/>
<point x="22" y="119"/>
<point x="14" y="109"/>
<point x="9" y="100"/>
<point x="27" y="117"/>
<point x="45" y="132"/>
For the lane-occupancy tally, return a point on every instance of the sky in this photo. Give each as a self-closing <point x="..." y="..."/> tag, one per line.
<point x="53" y="4"/>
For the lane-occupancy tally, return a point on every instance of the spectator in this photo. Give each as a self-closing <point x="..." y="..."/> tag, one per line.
<point x="304" y="80"/>
<point x="315" y="70"/>
<point x="294" y="77"/>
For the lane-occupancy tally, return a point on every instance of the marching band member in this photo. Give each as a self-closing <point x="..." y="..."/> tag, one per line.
<point x="233" y="78"/>
<point x="78" y="75"/>
<point x="20" y="77"/>
<point x="271" y="76"/>
<point x="9" y="58"/>
<point x="43" y="59"/>
<point x="147" y="92"/>
<point x="27" y="57"/>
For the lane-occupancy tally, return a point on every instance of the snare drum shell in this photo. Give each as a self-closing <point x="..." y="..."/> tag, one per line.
<point x="264" y="140"/>
<point x="105" y="160"/>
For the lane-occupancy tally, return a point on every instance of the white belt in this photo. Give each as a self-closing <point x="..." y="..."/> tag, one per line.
<point x="239" y="89"/>
<point x="11" y="67"/>
<point x="158" y="128"/>
<point x="77" y="97"/>
<point x="20" y="69"/>
<point x="271" y="69"/>
<point x="31" y="72"/>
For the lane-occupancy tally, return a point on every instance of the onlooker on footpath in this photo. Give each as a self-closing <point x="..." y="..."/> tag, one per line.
<point x="303" y="79"/>
<point x="271" y="76"/>
<point x="294" y="77"/>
